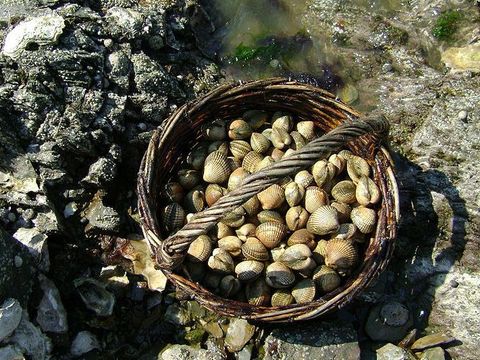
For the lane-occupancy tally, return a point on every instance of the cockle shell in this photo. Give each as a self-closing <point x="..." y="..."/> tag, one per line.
<point x="249" y="269"/>
<point x="239" y="130"/>
<point x="200" y="249"/>
<point x="296" y="256"/>
<point x="282" y="297"/>
<point x="217" y="168"/>
<point x="296" y="218"/>
<point x="294" y="193"/>
<point x="259" y="143"/>
<point x="343" y="211"/>
<point x="323" y="172"/>
<point x="235" y="218"/>
<point x="195" y="200"/>
<point x="283" y="121"/>
<point x="252" y="206"/>
<point x="279" y="276"/>
<point x="216" y="130"/>
<point x="229" y="286"/>
<point x="277" y="154"/>
<point x="196" y="158"/>
<point x="367" y="191"/>
<point x="345" y="154"/>
<point x="278" y="251"/>
<point x="188" y="179"/>
<point x="304" y="178"/>
<point x="269" y="216"/>
<point x="195" y="271"/>
<point x="213" y="192"/>
<point x="221" y="261"/>
<point x="271" y="233"/>
<point x="272" y="197"/>
<point x="245" y="231"/>
<point x="344" y="191"/>
<point x="239" y="148"/>
<point x="253" y="249"/>
<point x="251" y="160"/>
<point x="280" y="138"/>
<point x="234" y="163"/>
<point x="220" y="146"/>
<point x="319" y="251"/>
<point x="314" y="198"/>
<point x="326" y="279"/>
<point x="236" y="178"/>
<point x="357" y="167"/>
<point x="323" y="221"/>
<point x="364" y="218"/>
<point x="340" y="254"/>
<point x="304" y="291"/>
<point x="338" y="161"/>
<point x="173" y="191"/>
<point x="302" y="236"/>
<point x="266" y="162"/>
<point x="212" y="280"/>
<point x="307" y="129"/>
<point x="267" y="133"/>
<point x="298" y="140"/>
<point x="232" y="244"/>
<point x="308" y="267"/>
<point x="173" y="217"/>
<point x="222" y="230"/>
<point x="258" y="292"/>
<point x="288" y="153"/>
<point x="346" y="231"/>
<point x="255" y="118"/>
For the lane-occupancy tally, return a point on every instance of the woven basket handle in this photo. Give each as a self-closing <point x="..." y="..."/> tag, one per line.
<point x="172" y="250"/>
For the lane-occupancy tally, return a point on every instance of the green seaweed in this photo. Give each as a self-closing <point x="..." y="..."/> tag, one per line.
<point x="247" y="53"/>
<point x="446" y="25"/>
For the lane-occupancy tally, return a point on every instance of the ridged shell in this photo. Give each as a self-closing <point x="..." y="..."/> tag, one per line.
<point x="344" y="191"/>
<point x="229" y="286"/>
<point x="251" y="160"/>
<point x="277" y="154"/>
<point x="343" y="211"/>
<point x="216" y="130"/>
<point x="222" y="230"/>
<point x="304" y="291"/>
<point x="296" y="218"/>
<point x="367" y="191"/>
<point x="338" y="161"/>
<point x="282" y="297"/>
<point x="173" y="217"/>
<point x="323" y="172"/>
<point x="266" y="162"/>
<point x="288" y="153"/>
<point x="267" y="133"/>
<point x="213" y="192"/>
<point x="245" y="231"/>
<point x="346" y="154"/>
<point x="357" y="167"/>
<point x="271" y="233"/>
<point x="308" y="267"/>
<point x="294" y="193"/>
<point x="364" y="218"/>
<point x="304" y="178"/>
<point x="249" y="269"/>
<point x="272" y="197"/>
<point x="220" y="146"/>
<point x="340" y="254"/>
<point x="314" y="198"/>
<point x="232" y="244"/>
<point x="298" y="140"/>
<point x="280" y="138"/>
<point x="346" y="231"/>
<point x="319" y="251"/>
<point x="200" y="249"/>
<point x="195" y="200"/>
<point x="282" y="121"/>
<point x="278" y="251"/>
<point x="259" y="143"/>
<point x="270" y="216"/>
<point x="221" y="261"/>
<point x="326" y="279"/>
<point x="279" y="276"/>
<point x="296" y="256"/>
<point x="235" y="218"/>
<point x="188" y="179"/>
<point x="196" y="158"/>
<point x="253" y="249"/>
<point x="323" y="221"/>
<point x="234" y="163"/>
<point x="236" y="178"/>
<point x="255" y="118"/>
<point x="302" y="236"/>
<point x="173" y="192"/>
<point x="217" y="168"/>
<point x="212" y="280"/>
<point x="258" y="292"/>
<point x="307" y="129"/>
<point x="239" y="148"/>
<point x="239" y="130"/>
<point x="252" y="206"/>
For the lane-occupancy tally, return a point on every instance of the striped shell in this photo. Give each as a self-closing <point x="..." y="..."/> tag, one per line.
<point x="235" y="218"/>
<point x="277" y="154"/>
<point x="239" y="148"/>
<point x="232" y="244"/>
<point x="188" y="179"/>
<point x="279" y="276"/>
<point x="314" y="198"/>
<point x="357" y="167"/>
<point x="270" y="216"/>
<point x="222" y="230"/>
<point x="323" y="172"/>
<point x="307" y="129"/>
<point x="213" y="192"/>
<point x="245" y="231"/>
<point x="266" y="162"/>
<point x="296" y="256"/>
<point x="258" y="292"/>
<point x="251" y="160"/>
<point x="282" y="297"/>
<point x="253" y="249"/>
<point x="173" y="192"/>
<point x="200" y="249"/>
<point x="304" y="291"/>
<point x="364" y="218"/>
<point x="298" y="140"/>
<point x="296" y="218"/>
<point x="319" y="251"/>
<point x="346" y="231"/>
<point x="304" y="178"/>
<point x="278" y="251"/>
<point x="340" y="254"/>
<point x="259" y="143"/>
<point x="294" y="193"/>
<point x="216" y="130"/>
<point x="280" y="138"/>
<point x="229" y="286"/>
<point x="239" y="130"/>
<point x="302" y="236"/>
<point x="252" y="206"/>
<point x="281" y="121"/>
<point x="271" y="233"/>
<point x="220" y="146"/>
<point x="308" y="267"/>
<point x="217" y="168"/>
<point x="343" y="211"/>
<point x="272" y="197"/>
<point x="268" y="133"/>
<point x="221" y="261"/>
<point x="323" y="221"/>
<point x="249" y="269"/>
<point x="338" y="161"/>
<point x="173" y="217"/>
<point x="367" y="191"/>
<point x="236" y="178"/>
<point x="345" y="154"/>
<point x="344" y="191"/>
<point x="195" y="200"/>
<point x="326" y="279"/>
<point x="255" y="118"/>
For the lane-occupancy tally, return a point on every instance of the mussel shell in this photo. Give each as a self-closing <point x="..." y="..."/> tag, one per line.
<point x="296" y="218"/>
<point x="173" y="217"/>
<point x="282" y="297"/>
<point x="232" y="244"/>
<point x="251" y="160"/>
<point x="249" y="269"/>
<point x="245" y="231"/>
<point x="236" y="178"/>
<point x="302" y="236"/>
<point x="239" y="129"/>
<point x="279" y="276"/>
<point x="304" y="178"/>
<point x="323" y="221"/>
<point x="258" y="292"/>
<point x="304" y="291"/>
<point x="270" y="216"/>
<point x="294" y="193"/>
<point x="340" y="254"/>
<point x="272" y="197"/>
<point x="357" y="167"/>
<point x="364" y="219"/>
<point x="217" y="168"/>
<point x="239" y="148"/>
<point x="326" y="279"/>
<point x="173" y="192"/>
<point x="200" y="249"/>
<point x="253" y="249"/>
<point x="344" y="192"/>
<point x="259" y="143"/>
<point x="314" y="198"/>
<point x="213" y="193"/>
<point x="271" y="233"/>
<point x="221" y="261"/>
<point x="367" y="191"/>
<point x="307" y="129"/>
<point x="188" y="178"/>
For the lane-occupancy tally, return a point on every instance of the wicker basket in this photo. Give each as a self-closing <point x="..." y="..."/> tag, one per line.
<point x="171" y="142"/>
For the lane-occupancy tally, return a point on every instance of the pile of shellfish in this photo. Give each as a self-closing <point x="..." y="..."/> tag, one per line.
<point x="291" y="243"/>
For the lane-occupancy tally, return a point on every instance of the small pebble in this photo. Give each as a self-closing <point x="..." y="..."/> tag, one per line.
<point x="387" y="67"/>
<point x="18" y="261"/>
<point x="454" y="283"/>
<point x="462" y="115"/>
<point x="108" y="43"/>
<point x="70" y="209"/>
<point x="142" y="126"/>
<point x="12" y="217"/>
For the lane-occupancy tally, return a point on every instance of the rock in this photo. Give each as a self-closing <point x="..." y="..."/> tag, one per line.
<point x="462" y="115"/>
<point x="10" y="316"/>
<point x="432" y="340"/>
<point x="70" y="209"/>
<point x="239" y="332"/>
<point x="11" y="353"/>
<point x="214" y="329"/>
<point x="36" y="244"/>
<point x="125" y="24"/>
<point x="465" y="58"/>
<point x="185" y="352"/>
<point x="95" y="296"/>
<point x="322" y="340"/>
<point x="31" y="340"/>
<point x="83" y="343"/>
<point x="245" y="353"/>
<point x="388" y="322"/>
<point x="51" y="315"/>
<point x="101" y="217"/>
<point x="177" y="315"/>
<point x="21" y="178"/>
<point x="41" y="30"/>
<point x="392" y="352"/>
<point x="436" y="353"/>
